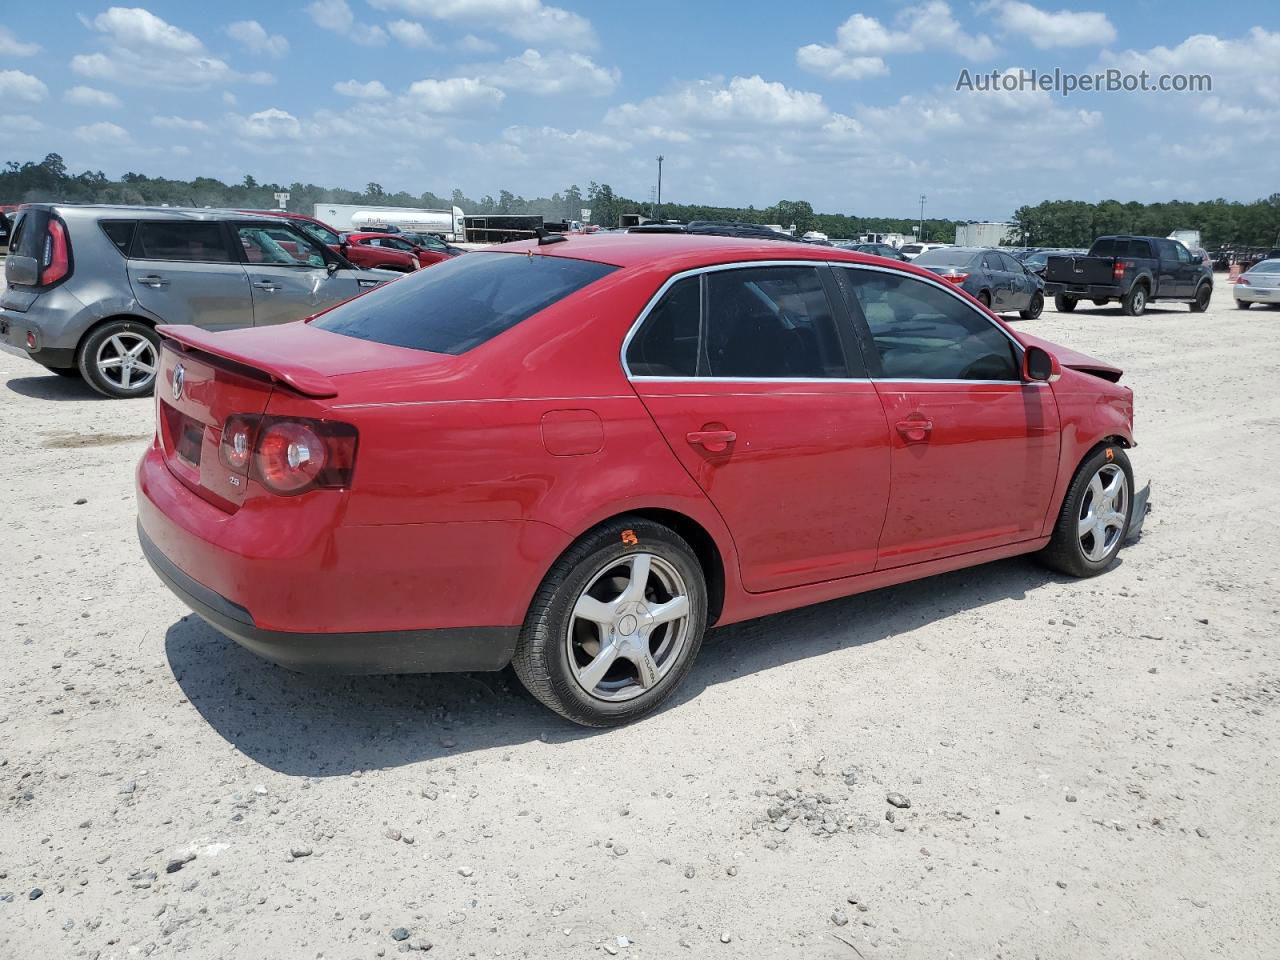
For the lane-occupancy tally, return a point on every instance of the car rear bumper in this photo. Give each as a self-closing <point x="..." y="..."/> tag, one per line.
<point x="290" y="582"/>
<point x="1256" y="294"/>
<point x="440" y="650"/>
<point x="1091" y="291"/>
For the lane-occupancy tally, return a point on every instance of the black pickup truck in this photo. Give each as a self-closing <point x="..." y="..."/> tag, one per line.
<point x="1133" y="270"/>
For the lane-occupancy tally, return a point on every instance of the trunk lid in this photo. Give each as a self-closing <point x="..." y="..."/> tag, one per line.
<point x="1080" y="269"/>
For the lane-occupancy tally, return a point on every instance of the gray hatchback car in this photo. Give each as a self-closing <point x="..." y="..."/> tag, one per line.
<point x="85" y="286"/>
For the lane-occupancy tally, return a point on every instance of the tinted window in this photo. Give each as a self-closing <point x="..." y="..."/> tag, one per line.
<point x="1266" y="266"/>
<point x="317" y="232"/>
<point x="666" y="345"/>
<point x="1182" y="253"/>
<point x="178" y="240"/>
<point x="770" y="322"/>
<point x="1168" y="251"/>
<point x="944" y="257"/>
<point x="461" y="303"/>
<point x="1010" y="264"/>
<point x="924" y="333"/>
<point x="120" y="232"/>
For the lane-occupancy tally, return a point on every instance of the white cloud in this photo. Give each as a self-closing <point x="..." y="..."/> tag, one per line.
<point x="11" y="46"/>
<point x="751" y="102"/>
<point x="454" y="94"/>
<point x="19" y="123"/>
<point x="180" y="123"/>
<point x="412" y="34"/>
<point x="1063" y="28"/>
<point x="136" y="27"/>
<point x="23" y="87"/>
<point x="373" y="90"/>
<point x="1245" y="68"/>
<point x="862" y="42"/>
<point x="91" y="97"/>
<point x="253" y="36"/>
<point x="530" y="21"/>
<point x="107" y="134"/>
<point x="540" y="138"/>
<point x="531" y="72"/>
<point x="473" y="44"/>
<point x="336" y="16"/>
<point x="270" y="124"/>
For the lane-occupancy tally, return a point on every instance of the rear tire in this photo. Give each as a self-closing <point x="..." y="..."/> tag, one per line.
<point x="984" y="298"/>
<point x="1063" y="304"/>
<point x="1243" y="304"/>
<point x="1134" y="303"/>
<point x="1203" y="295"/>
<point x="1079" y="547"/>
<point x="625" y="572"/>
<point x="1034" y="309"/>
<point x="102" y="355"/>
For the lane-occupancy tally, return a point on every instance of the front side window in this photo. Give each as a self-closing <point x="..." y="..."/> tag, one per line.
<point x="463" y="302"/>
<point x="1184" y="255"/>
<point x="319" y="233"/>
<point x="278" y="246"/>
<point x="195" y="241"/>
<point x="922" y="332"/>
<point x="742" y="323"/>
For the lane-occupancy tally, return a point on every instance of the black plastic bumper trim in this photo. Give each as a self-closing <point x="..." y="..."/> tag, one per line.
<point x="440" y="650"/>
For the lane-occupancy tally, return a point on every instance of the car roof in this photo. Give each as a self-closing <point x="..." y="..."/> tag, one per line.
<point x="150" y="213"/>
<point x="675" y="252"/>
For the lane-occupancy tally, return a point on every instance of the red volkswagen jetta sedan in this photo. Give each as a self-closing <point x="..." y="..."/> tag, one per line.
<point x="575" y="456"/>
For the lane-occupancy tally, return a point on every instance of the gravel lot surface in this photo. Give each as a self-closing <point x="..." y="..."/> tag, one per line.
<point x="1082" y="768"/>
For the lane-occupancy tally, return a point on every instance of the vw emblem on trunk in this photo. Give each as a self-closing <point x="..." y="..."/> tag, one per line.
<point x="179" y="378"/>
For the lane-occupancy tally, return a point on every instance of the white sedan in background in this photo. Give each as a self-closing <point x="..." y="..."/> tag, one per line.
<point x="1259" y="284"/>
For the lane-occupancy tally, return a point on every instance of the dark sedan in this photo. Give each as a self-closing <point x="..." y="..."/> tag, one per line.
<point x="876" y="250"/>
<point x="993" y="277"/>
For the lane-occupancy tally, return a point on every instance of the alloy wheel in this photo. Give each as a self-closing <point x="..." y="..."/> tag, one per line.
<point x="127" y="360"/>
<point x="628" y="627"/>
<point x="1103" y="512"/>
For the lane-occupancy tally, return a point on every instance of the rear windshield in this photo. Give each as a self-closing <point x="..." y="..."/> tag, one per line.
<point x="1266" y="266"/>
<point x="912" y="248"/>
<point x="463" y="302"/>
<point x="943" y="257"/>
<point x="1120" y="247"/>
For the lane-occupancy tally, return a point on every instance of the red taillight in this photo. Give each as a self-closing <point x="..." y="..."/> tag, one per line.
<point x="1241" y="282"/>
<point x="56" y="260"/>
<point x="1117" y="271"/>
<point x="289" y="455"/>
<point x="955" y="277"/>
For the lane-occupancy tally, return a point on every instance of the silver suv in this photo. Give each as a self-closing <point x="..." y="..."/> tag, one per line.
<point x="85" y="286"/>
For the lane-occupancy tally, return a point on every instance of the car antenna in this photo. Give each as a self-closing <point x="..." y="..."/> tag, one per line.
<point x="544" y="237"/>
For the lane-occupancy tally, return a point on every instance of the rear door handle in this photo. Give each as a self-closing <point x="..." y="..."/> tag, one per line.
<point x="153" y="281"/>
<point x="713" y="441"/>
<point x="915" y="431"/>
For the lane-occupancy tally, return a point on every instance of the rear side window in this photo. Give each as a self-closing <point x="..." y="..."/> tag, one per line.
<point x="195" y="241"/>
<point x="120" y="233"/>
<point x="461" y="303"/>
<point x="666" y="345"/>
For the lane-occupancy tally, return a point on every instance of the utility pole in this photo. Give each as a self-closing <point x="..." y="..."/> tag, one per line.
<point x="920" y="232"/>
<point x="657" y="210"/>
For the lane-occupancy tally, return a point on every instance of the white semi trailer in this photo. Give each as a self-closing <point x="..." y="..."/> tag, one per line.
<point x="347" y="217"/>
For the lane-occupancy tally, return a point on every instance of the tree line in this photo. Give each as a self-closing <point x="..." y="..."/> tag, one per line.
<point x="1065" y="223"/>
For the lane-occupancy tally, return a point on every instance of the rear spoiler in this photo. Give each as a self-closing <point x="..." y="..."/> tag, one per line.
<point x="294" y="375"/>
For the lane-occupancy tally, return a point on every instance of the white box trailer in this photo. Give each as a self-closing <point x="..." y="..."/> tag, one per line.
<point x="347" y="217"/>
<point x="985" y="233"/>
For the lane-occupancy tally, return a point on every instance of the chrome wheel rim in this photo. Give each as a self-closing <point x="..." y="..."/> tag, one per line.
<point x="1103" y="512"/>
<point x="628" y="628"/>
<point x="1139" y="300"/>
<point x="126" y="360"/>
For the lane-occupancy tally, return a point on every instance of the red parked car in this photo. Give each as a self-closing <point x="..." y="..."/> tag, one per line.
<point x="575" y="456"/>
<point x="364" y="256"/>
<point x="429" y="250"/>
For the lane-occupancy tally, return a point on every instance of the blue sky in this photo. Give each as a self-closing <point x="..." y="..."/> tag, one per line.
<point x="851" y="106"/>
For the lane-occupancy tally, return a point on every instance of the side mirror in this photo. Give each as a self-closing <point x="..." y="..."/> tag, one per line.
<point x="1040" y="365"/>
<point x="331" y="266"/>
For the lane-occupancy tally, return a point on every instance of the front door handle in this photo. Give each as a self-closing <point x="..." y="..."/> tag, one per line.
<point x="713" y="441"/>
<point x="915" y="430"/>
<point x="153" y="281"/>
<point x="266" y="285"/>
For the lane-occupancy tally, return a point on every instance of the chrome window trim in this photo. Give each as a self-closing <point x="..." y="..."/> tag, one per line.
<point x="746" y="264"/>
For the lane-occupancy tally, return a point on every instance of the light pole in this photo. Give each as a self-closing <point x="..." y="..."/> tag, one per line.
<point x="921" y="230"/>
<point x="658" y="207"/>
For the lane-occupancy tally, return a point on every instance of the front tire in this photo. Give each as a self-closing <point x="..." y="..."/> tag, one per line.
<point x="1203" y="295"/>
<point x="120" y="359"/>
<point x="1095" y="515"/>
<point x="984" y="298"/>
<point x="1243" y="304"/>
<point x="1134" y="303"/>
<point x="615" y="625"/>
<point x="1063" y="304"/>
<point x="1034" y="309"/>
